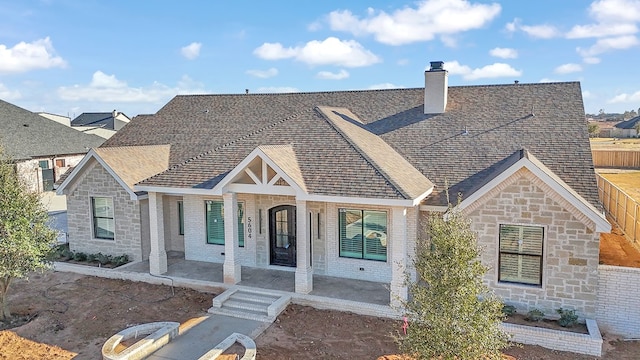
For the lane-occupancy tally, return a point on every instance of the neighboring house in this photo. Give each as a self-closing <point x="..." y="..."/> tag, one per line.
<point x="341" y="183"/>
<point x="627" y="128"/>
<point x="64" y="120"/>
<point x="42" y="149"/>
<point x="103" y="124"/>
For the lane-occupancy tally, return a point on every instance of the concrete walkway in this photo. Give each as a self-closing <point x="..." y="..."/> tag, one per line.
<point x="203" y="337"/>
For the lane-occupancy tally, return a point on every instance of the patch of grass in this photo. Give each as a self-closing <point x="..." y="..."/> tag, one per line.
<point x="629" y="182"/>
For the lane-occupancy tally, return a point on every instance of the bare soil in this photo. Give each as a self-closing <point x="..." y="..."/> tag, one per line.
<point x="73" y="315"/>
<point x="617" y="250"/>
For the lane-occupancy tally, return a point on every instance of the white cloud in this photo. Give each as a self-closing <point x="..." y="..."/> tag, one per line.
<point x="609" y="44"/>
<point x="6" y="94"/>
<point x="413" y="24"/>
<point x="107" y="88"/>
<point x="449" y="41"/>
<point x="625" y="98"/>
<point x="331" y="51"/>
<point x="263" y="74"/>
<point x="191" y="51"/>
<point x="383" y="86"/>
<point x="543" y="31"/>
<point x="600" y="30"/>
<point x="504" y="53"/>
<point x="587" y="94"/>
<point x="615" y="11"/>
<point x="278" y="89"/>
<point x="24" y="57"/>
<point x="568" y="68"/>
<point x="591" y="60"/>
<point x="328" y="75"/>
<point x="495" y="70"/>
<point x="547" y="80"/>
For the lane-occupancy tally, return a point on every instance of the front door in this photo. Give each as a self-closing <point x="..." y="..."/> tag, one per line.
<point x="282" y="235"/>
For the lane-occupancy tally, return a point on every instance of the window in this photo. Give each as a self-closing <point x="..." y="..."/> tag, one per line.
<point x="363" y="234"/>
<point x="180" y="218"/>
<point x="215" y="223"/>
<point x="521" y="254"/>
<point x="43" y="164"/>
<point x="60" y="163"/>
<point x="103" y="222"/>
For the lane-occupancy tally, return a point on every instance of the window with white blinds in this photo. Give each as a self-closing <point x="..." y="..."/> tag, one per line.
<point x="363" y="234"/>
<point x="215" y="222"/>
<point x="520" y="259"/>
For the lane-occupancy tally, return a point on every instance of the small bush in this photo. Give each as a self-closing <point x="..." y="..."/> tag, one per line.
<point x="91" y="257"/>
<point x="568" y="318"/>
<point x="508" y="310"/>
<point x="103" y="259"/>
<point x="120" y="260"/>
<point x="535" y="315"/>
<point x="79" y="256"/>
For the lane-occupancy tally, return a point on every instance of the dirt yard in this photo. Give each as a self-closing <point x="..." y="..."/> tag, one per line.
<point x="615" y="144"/>
<point x="73" y="315"/>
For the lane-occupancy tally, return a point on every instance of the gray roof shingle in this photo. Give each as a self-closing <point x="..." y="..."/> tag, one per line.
<point x="25" y="135"/>
<point x="482" y="127"/>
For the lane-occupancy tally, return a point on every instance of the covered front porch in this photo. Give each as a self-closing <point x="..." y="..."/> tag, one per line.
<point x="330" y="288"/>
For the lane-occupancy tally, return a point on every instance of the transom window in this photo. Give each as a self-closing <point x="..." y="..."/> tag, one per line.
<point x="521" y="254"/>
<point x="103" y="221"/>
<point x="215" y="222"/>
<point x="363" y="234"/>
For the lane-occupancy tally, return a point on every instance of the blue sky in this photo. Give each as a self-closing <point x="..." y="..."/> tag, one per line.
<point x="68" y="56"/>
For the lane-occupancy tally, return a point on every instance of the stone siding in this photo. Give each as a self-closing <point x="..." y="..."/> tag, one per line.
<point x="172" y="238"/>
<point x="618" y="301"/>
<point x="570" y="250"/>
<point x="96" y="181"/>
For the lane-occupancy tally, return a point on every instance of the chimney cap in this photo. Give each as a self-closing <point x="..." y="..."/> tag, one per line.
<point x="437" y="66"/>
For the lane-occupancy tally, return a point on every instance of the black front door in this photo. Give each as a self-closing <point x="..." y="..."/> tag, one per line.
<point x="282" y="235"/>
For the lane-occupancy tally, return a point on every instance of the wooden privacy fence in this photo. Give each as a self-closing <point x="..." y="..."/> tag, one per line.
<point x="622" y="208"/>
<point x="616" y="158"/>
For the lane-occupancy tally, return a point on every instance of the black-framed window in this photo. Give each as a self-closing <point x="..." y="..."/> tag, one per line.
<point x="363" y="234"/>
<point x="520" y="259"/>
<point x="103" y="219"/>
<point x="180" y="218"/>
<point x="215" y="222"/>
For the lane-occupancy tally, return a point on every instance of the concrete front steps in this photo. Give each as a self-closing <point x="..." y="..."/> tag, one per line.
<point x="252" y="304"/>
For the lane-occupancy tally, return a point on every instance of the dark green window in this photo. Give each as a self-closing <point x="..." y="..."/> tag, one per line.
<point x="520" y="258"/>
<point x="180" y="218"/>
<point x="44" y="164"/>
<point x="363" y="234"/>
<point x="215" y="223"/>
<point x="103" y="221"/>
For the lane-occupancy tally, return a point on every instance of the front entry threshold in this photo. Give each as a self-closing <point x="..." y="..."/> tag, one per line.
<point x="252" y="304"/>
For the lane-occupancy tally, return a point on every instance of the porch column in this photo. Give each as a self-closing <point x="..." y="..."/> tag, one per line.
<point x="158" y="254"/>
<point x="231" y="267"/>
<point x="304" y="272"/>
<point x="399" y="291"/>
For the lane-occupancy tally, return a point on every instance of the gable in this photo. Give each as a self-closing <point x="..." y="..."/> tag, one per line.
<point x="538" y="175"/>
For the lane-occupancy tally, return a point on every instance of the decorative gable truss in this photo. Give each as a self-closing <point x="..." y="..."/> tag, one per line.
<point x="270" y="170"/>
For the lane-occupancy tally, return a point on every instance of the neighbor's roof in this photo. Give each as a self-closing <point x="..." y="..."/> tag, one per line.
<point x="482" y="126"/>
<point x="25" y="134"/>
<point x="99" y="119"/>
<point x="628" y="124"/>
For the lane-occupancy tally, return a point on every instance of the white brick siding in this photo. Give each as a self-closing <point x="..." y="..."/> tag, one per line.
<point x="619" y="301"/>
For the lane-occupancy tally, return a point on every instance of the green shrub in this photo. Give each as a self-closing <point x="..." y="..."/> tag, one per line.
<point x="79" y="256"/>
<point x="568" y="318"/>
<point x="103" y="259"/>
<point x="508" y="310"/>
<point x="91" y="257"/>
<point x="120" y="260"/>
<point x="535" y="315"/>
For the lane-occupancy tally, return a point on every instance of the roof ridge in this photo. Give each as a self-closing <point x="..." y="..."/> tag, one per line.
<point x="362" y="153"/>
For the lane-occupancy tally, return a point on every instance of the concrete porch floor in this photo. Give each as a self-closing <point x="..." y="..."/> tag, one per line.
<point x="367" y="292"/>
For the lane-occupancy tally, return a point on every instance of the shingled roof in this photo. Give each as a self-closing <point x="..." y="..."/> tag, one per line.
<point x="26" y="135"/>
<point x="481" y="128"/>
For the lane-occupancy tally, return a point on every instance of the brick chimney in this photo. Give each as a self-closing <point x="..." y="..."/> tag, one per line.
<point x="436" y="83"/>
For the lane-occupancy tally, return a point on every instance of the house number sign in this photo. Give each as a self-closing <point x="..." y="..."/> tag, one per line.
<point x="249" y="227"/>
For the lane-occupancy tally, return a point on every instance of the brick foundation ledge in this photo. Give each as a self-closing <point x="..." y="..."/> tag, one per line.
<point x="588" y="344"/>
